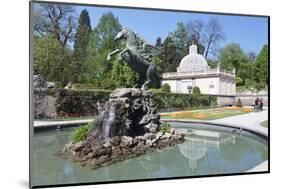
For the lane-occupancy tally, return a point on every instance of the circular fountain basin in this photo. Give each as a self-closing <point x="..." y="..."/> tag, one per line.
<point x="207" y="150"/>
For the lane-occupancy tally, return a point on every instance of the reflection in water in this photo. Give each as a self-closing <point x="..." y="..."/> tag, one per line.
<point x="204" y="152"/>
<point x="199" y="141"/>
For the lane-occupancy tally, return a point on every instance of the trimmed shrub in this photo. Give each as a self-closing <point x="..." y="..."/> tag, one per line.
<point x="239" y="103"/>
<point x="166" y="88"/>
<point x="196" y="90"/>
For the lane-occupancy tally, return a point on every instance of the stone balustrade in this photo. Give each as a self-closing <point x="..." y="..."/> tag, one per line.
<point x="170" y="75"/>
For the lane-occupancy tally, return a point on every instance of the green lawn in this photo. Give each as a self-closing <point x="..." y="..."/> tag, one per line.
<point x="264" y="124"/>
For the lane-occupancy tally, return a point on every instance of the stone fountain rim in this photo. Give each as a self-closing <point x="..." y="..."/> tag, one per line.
<point x="76" y="123"/>
<point x="253" y="130"/>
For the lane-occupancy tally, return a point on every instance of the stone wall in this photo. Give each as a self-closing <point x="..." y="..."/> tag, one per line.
<point x="223" y="100"/>
<point x="249" y="100"/>
<point x="44" y="105"/>
<point x="248" y="97"/>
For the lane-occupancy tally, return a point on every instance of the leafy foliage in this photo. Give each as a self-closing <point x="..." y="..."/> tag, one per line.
<point x="231" y="56"/>
<point x="245" y="72"/>
<point x="80" y="133"/>
<point x="98" y="69"/>
<point x="86" y="63"/>
<point x="169" y="57"/>
<point x="260" y="70"/>
<point x="180" y="39"/>
<point x="80" y="102"/>
<point x="251" y="71"/>
<point x="238" y="81"/>
<point x="122" y="75"/>
<point x="50" y="59"/>
<point x="165" y="127"/>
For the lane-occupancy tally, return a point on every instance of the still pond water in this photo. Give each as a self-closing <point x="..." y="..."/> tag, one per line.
<point x="205" y="152"/>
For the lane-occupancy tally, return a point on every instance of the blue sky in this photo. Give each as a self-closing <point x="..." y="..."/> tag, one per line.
<point x="250" y="32"/>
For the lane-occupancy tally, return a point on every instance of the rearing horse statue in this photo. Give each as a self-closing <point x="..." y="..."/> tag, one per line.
<point x="135" y="55"/>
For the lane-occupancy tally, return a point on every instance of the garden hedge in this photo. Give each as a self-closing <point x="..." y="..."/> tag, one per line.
<point x="168" y="101"/>
<point x="85" y="102"/>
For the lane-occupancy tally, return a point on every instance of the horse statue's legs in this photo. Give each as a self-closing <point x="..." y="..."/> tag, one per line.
<point x="131" y="57"/>
<point x="149" y="74"/>
<point x="144" y="86"/>
<point x="112" y="53"/>
<point x="122" y="52"/>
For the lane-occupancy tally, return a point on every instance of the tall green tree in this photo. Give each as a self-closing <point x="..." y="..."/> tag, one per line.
<point x="101" y="43"/>
<point x="231" y="56"/>
<point x="169" y="56"/>
<point x="80" y="46"/>
<point x="180" y="40"/>
<point x="245" y="72"/>
<point x="92" y="66"/>
<point x="158" y="59"/>
<point x="260" y="68"/>
<point x="50" y="59"/>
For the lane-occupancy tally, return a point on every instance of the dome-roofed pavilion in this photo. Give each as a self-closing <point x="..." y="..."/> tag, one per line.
<point x="193" y="61"/>
<point x="194" y="71"/>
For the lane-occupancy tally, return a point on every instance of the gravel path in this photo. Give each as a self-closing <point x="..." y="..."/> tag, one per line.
<point x="249" y="121"/>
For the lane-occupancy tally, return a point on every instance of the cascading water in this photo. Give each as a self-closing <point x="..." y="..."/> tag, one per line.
<point x="107" y="124"/>
<point x="130" y="112"/>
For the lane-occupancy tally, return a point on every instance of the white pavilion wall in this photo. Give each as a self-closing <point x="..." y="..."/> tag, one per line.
<point x="208" y="85"/>
<point x="227" y="86"/>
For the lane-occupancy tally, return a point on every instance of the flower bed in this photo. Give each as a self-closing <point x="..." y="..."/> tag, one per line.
<point x="207" y="114"/>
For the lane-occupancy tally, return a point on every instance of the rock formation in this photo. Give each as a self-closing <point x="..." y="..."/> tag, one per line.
<point x="129" y="126"/>
<point x="39" y="83"/>
<point x="44" y="104"/>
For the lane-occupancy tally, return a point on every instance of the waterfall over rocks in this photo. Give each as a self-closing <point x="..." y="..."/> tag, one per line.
<point x="129" y="111"/>
<point x="128" y="127"/>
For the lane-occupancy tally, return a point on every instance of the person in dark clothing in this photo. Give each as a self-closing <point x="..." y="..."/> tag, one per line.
<point x="257" y="101"/>
<point x="261" y="104"/>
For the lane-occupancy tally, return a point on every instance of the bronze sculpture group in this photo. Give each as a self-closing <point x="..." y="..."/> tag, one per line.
<point x="136" y="55"/>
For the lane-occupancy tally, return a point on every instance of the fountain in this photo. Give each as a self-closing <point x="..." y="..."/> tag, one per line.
<point x="130" y="124"/>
